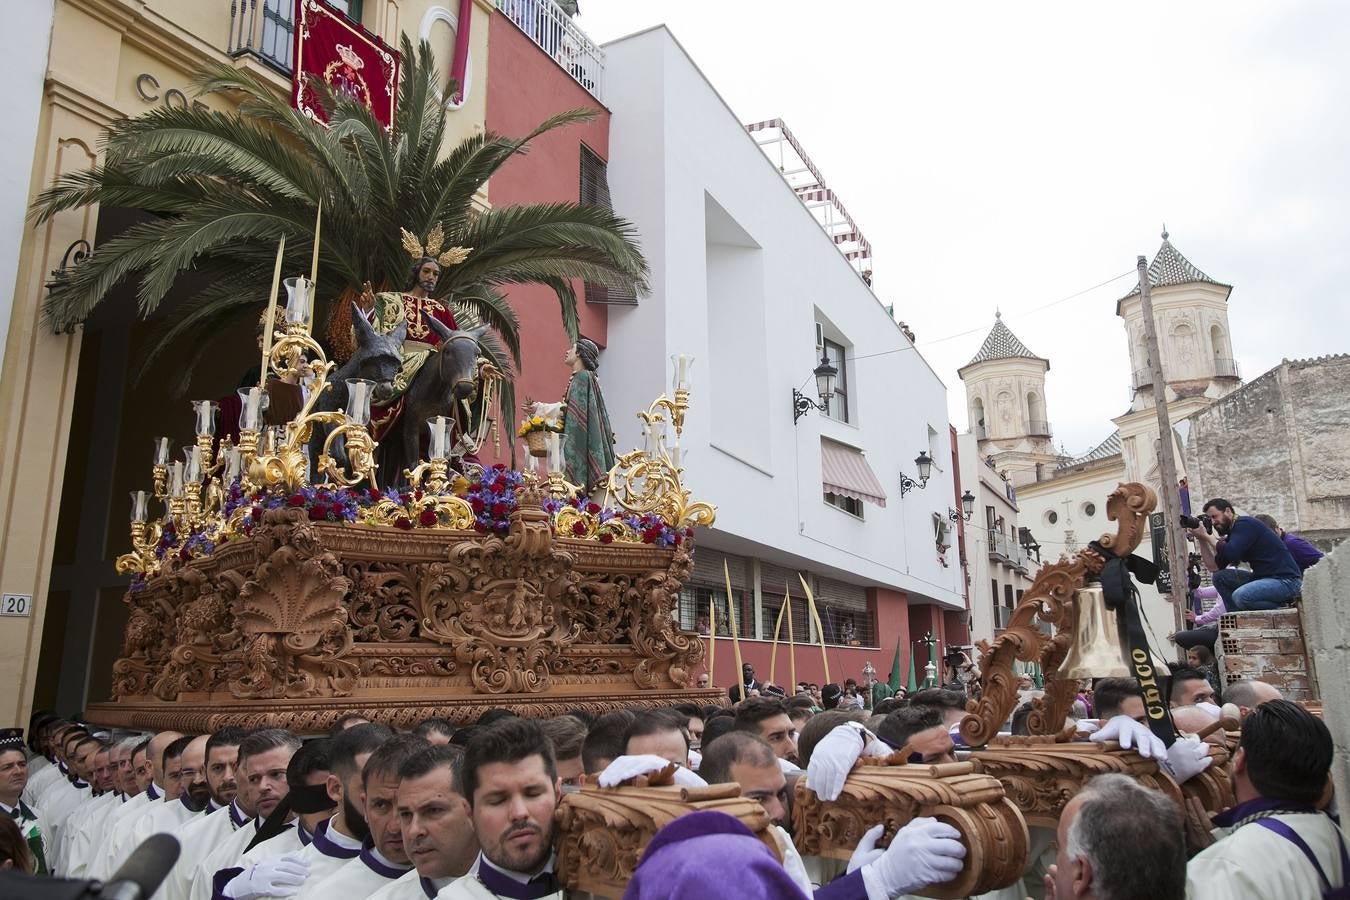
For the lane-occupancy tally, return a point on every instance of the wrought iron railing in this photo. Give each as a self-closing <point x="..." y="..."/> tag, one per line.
<point x="553" y="30"/>
<point x="1040" y="427"/>
<point x="1226" y="368"/>
<point x="1143" y="378"/>
<point x="981" y="433"/>
<point x="265" y="29"/>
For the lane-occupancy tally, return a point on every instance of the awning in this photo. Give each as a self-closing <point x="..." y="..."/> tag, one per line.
<point x="845" y="471"/>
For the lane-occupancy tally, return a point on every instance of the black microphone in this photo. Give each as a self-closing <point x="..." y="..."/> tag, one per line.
<point x="140" y="876"/>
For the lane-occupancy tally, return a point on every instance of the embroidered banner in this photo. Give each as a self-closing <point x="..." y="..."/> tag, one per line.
<point x="331" y="49"/>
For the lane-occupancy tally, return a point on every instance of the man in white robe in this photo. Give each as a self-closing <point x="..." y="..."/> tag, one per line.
<point x="117" y="845"/>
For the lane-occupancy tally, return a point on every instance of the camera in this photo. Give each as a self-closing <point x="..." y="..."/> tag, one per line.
<point x="1193" y="522"/>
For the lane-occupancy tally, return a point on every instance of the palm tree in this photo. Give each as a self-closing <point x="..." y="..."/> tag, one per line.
<point x="224" y="187"/>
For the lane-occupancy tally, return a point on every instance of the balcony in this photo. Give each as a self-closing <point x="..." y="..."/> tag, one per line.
<point x="1039" y="428"/>
<point x="1143" y="378"/>
<point x="1004" y="549"/>
<point x="981" y="434"/>
<point x="1002" y="615"/>
<point x="264" y="29"/>
<point x="1226" y="368"/>
<point x="545" y="23"/>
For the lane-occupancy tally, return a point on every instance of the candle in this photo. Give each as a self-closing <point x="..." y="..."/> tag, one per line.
<point x="554" y="443"/>
<point x="140" y="507"/>
<point x="439" y="445"/>
<point x="192" y="464"/>
<point x="205" y="411"/>
<point x="176" y="479"/>
<point x="358" y="400"/>
<point x="681" y="364"/>
<point x="652" y="437"/>
<point x="299" y="302"/>
<point x="269" y="324"/>
<point x="161" y="451"/>
<point x="252" y="402"/>
<point x="234" y="465"/>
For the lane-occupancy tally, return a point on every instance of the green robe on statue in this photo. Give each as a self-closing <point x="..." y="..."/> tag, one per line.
<point x="587" y="439"/>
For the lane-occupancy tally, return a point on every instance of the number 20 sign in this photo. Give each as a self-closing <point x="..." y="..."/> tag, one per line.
<point x="16" y="604"/>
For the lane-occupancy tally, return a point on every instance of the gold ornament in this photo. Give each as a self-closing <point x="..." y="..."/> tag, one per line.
<point x="452" y="256"/>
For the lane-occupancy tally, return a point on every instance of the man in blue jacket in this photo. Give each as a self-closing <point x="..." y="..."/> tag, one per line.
<point x="1274" y="580"/>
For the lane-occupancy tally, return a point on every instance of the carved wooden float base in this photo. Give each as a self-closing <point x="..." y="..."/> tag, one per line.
<point x="992" y="830"/>
<point x="314" y="716"/>
<point x="603" y="832"/>
<point x="1041" y="776"/>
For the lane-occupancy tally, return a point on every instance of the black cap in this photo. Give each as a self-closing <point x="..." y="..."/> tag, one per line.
<point x="11" y="739"/>
<point x="829" y="695"/>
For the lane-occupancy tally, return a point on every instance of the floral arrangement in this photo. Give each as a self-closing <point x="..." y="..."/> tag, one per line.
<point x="531" y="424"/>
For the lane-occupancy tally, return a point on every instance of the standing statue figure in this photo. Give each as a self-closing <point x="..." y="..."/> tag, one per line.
<point x="415" y="308"/>
<point x="587" y="438"/>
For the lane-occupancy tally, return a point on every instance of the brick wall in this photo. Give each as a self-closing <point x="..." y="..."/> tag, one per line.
<point x="1265" y="646"/>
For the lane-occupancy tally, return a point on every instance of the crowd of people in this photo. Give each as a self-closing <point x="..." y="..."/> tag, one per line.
<point x="467" y="811"/>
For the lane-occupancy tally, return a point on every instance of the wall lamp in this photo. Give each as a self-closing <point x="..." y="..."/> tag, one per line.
<point x="967" y="507"/>
<point x="825" y="375"/>
<point x="924" y="463"/>
<point x="75" y="254"/>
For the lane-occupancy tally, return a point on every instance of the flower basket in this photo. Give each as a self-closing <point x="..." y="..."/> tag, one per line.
<point x="537" y="442"/>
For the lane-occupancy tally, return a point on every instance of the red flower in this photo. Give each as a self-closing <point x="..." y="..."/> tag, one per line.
<point x="593" y="508"/>
<point x="606" y="538"/>
<point x="578" y="528"/>
<point x="500" y="467"/>
<point x="480" y="527"/>
<point x="318" y="512"/>
<point x="477" y="504"/>
<point x="296" y="500"/>
<point x="499" y="485"/>
<point x="403" y="522"/>
<point x="256" y="513"/>
<point x="375" y="495"/>
<point x="427" y="518"/>
<point x="417" y="495"/>
<point x="499" y="509"/>
<point x="184" y="555"/>
<point x="678" y="540"/>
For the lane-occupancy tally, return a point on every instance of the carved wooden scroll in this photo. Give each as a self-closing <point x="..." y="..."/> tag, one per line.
<point x="992" y="830"/>
<point x="1212" y="787"/>
<point x="1052" y="599"/>
<point x="603" y="831"/>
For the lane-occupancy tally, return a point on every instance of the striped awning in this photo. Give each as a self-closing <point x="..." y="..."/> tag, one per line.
<point x="845" y="471"/>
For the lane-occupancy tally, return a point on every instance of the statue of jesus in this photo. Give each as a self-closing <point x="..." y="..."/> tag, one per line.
<point x="588" y="439"/>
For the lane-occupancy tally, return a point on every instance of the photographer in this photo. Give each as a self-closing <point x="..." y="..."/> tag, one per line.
<point x="1274" y="580"/>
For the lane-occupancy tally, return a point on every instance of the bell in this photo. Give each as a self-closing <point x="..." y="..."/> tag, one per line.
<point x="1095" y="651"/>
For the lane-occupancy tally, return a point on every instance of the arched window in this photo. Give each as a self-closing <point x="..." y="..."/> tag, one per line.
<point x="977" y="419"/>
<point x="1036" y="414"/>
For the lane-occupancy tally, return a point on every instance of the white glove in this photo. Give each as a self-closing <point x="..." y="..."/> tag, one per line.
<point x="277" y="876"/>
<point x="695" y="759"/>
<point x="1213" y="709"/>
<point x="626" y="767"/>
<point x="1186" y="758"/>
<point x="1130" y="734"/>
<point x="866" y="851"/>
<point x="924" y="852"/>
<point x="835" y="755"/>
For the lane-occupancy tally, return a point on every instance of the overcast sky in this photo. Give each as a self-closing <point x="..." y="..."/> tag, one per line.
<point x="1010" y="154"/>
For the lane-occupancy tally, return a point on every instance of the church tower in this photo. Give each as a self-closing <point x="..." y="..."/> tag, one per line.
<point x="1005" y="399"/>
<point x="1190" y="312"/>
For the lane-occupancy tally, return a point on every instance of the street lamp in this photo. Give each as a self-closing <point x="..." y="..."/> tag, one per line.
<point x="924" y="463"/>
<point x="825" y="376"/>
<point x="967" y="504"/>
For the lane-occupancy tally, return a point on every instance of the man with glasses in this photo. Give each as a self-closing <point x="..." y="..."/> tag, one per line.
<point x="194" y="793"/>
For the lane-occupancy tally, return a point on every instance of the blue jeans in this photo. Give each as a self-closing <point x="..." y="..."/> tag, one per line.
<point x="1240" y="591"/>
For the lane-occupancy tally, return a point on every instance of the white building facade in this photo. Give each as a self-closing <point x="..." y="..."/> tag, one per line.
<point x="997" y="561"/>
<point x="745" y="280"/>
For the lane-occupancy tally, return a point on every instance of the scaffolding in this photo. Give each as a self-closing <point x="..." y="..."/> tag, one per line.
<point x="785" y="152"/>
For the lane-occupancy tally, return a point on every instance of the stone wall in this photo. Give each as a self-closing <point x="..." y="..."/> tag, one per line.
<point x="1326" y="589"/>
<point x="1280" y="445"/>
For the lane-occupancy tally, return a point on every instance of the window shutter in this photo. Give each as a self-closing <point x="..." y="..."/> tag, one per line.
<point x="595" y="192"/>
<point x="708" y="570"/>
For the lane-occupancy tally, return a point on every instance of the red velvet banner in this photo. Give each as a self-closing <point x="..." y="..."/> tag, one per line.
<point x="332" y="49"/>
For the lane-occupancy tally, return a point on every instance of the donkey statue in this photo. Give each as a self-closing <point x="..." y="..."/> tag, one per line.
<point x="378" y="358"/>
<point x="449" y="376"/>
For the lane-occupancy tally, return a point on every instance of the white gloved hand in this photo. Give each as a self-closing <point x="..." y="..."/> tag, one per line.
<point x="278" y="876"/>
<point x="833" y="759"/>
<point x="626" y="767"/>
<point x="866" y="851"/>
<point x="1187" y="757"/>
<point x="923" y="853"/>
<point x="1211" y="708"/>
<point x="1130" y="734"/>
<point x="1087" y="726"/>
